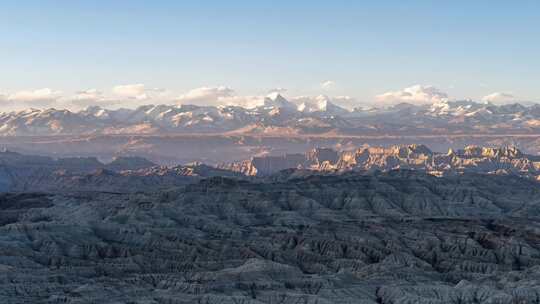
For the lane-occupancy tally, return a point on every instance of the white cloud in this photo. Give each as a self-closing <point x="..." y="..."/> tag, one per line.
<point x="36" y="96"/>
<point x="243" y="101"/>
<point x="500" y="98"/>
<point x="328" y="85"/>
<point x="88" y="95"/>
<point x="131" y="95"/>
<point x="42" y="98"/>
<point x="206" y="95"/>
<point x="416" y="94"/>
<point x="131" y="91"/>
<point x="216" y="96"/>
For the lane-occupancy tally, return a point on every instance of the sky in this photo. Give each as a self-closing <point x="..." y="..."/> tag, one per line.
<point x="78" y="53"/>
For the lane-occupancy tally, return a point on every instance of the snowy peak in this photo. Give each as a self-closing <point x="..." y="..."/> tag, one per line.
<point x="456" y="108"/>
<point x="320" y="104"/>
<point x="276" y="101"/>
<point x="96" y="112"/>
<point x="303" y="114"/>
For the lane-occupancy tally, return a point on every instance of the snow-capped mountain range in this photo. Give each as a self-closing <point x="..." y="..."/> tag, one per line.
<point x="275" y="116"/>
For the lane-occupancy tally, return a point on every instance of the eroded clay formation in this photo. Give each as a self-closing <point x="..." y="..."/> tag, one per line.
<point x="294" y="237"/>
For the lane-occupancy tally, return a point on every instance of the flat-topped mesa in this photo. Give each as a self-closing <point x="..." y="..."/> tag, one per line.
<point x="270" y="164"/>
<point x="318" y="156"/>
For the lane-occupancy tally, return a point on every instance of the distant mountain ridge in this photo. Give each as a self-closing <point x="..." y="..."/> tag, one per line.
<point x="276" y="116"/>
<point x="18" y="169"/>
<point x="19" y="172"/>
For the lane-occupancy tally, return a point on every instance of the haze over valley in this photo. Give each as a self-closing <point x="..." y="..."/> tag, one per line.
<point x="171" y="134"/>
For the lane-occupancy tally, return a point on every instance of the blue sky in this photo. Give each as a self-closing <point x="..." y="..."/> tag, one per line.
<point x="467" y="49"/>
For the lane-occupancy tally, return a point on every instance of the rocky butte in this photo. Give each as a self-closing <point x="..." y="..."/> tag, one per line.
<point x="505" y="160"/>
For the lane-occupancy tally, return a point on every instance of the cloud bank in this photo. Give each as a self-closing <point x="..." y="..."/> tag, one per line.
<point x="35" y="97"/>
<point x="328" y="85"/>
<point x="206" y="95"/>
<point x="133" y="95"/>
<point x="416" y="94"/>
<point x="38" y="98"/>
<point x="218" y="96"/>
<point x="131" y="91"/>
<point x="500" y="98"/>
